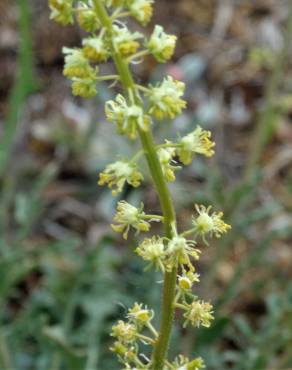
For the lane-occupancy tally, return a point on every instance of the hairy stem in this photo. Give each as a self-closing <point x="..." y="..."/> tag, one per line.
<point x="146" y="138"/>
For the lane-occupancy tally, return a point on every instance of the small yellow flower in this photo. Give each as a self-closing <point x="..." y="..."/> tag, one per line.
<point x="199" y="313"/>
<point x="95" y="49"/>
<point x="141" y="10"/>
<point x="62" y="11"/>
<point x="165" y="99"/>
<point x="153" y="250"/>
<point x="126" y="117"/>
<point x="165" y="156"/>
<point x="76" y="64"/>
<point x="198" y="142"/>
<point x="186" y="281"/>
<point x="119" y="173"/>
<point x="125" y="332"/>
<point x="85" y="87"/>
<point x="87" y="19"/>
<point x="140" y="316"/>
<point x="207" y="223"/>
<point x="125" y="42"/>
<point x="180" y="250"/>
<point x="129" y="216"/>
<point x="183" y="363"/>
<point x="161" y="45"/>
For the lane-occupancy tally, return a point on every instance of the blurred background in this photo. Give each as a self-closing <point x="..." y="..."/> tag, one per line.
<point x="65" y="277"/>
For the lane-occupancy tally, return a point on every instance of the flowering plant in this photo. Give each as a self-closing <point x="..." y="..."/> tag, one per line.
<point x="133" y="113"/>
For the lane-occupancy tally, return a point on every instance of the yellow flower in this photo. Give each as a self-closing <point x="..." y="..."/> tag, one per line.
<point x="183" y="363"/>
<point x="197" y="141"/>
<point x="165" y="156"/>
<point x="179" y="251"/>
<point x="154" y="251"/>
<point x="126" y="117"/>
<point x="141" y="10"/>
<point x="95" y="49"/>
<point x="207" y="223"/>
<point x="85" y="87"/>
<point x="161" y="45"/>
<point x="125" y="332"/>
<point x="125" y="41"/>
<point x="199" y="313"/>
<point x="129" y="216"/>
<point x="186" y="281"/>
<point x="76" y="64"/>
<point x="140" y="316"/>
<point x="87" y="19"/>
<point x="119" y="173"/>
<point x="165" y="98"/>
<point x="61" y="11"/>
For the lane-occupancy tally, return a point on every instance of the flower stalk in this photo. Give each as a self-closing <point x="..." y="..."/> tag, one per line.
<point x="133" y="117"/>
<point x="160" y="349"/>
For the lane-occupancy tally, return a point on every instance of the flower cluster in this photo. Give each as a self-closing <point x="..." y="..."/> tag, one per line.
<point x="165" y="98"/>
<point x="141" y="10"/>
<point x="129" y="216"/>
<point x="62" y="11"/>
<point x="95" y="49"/>
<point x="81" y="73"/>
<point x="196" y="142"/>
<point x="128" y="333"/>
<point x="133" y="113"/>
<point x="161" y="45"/>
<point x="128" y="118"/>
<point x="207" y="223"/>
<point x="87" y="18"/>
<point x="198" y="313"/>
<point x="167" y="254"/>
<point x="117" y="174"/>
<point x="125" y="42"/>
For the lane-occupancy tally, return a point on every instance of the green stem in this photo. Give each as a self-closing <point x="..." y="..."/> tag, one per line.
<point x="146" y="138"/>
